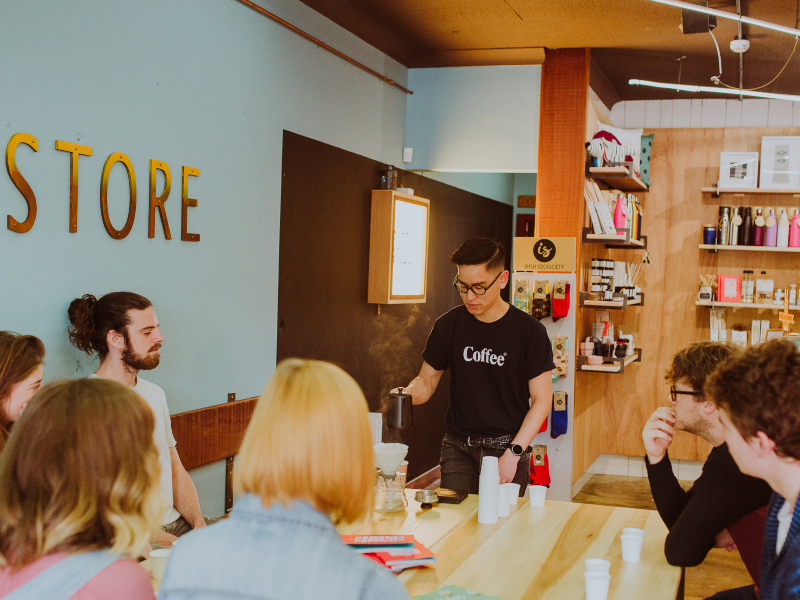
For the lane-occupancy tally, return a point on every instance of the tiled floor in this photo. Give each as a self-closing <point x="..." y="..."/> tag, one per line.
<point x="722" y="570"/>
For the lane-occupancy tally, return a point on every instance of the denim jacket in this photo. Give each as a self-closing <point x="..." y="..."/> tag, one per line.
<point x="273" y="554"/>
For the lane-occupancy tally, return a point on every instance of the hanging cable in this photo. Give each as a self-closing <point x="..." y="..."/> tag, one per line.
<point x="773" y="79"/>
<point x="715" y="79"/>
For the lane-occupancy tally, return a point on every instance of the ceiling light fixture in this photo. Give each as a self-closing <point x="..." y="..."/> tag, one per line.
<point x="732" y="16"/>
<point x="715" y="90"/>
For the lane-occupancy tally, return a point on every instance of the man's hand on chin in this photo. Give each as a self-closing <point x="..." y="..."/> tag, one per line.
<point x="508" y="466"/>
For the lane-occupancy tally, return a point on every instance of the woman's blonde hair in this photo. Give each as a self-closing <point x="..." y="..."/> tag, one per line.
<point x="310" y="440"/>
<point x="80" y="472"/>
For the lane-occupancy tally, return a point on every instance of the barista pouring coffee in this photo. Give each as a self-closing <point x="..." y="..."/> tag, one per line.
<point x="500" y="362"/>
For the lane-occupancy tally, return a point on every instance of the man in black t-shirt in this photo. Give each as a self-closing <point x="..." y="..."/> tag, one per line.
<point x="500" y="362"/>
<point x="721" y="510"/>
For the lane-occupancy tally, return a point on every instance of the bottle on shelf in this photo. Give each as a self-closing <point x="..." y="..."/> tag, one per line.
<point x="723" y="226"/>
<point x="620" y="213"/>
<point x="748" y="287"/>
<point x="771" y="230"/>
<point x="733" y="228"/>
<point x="783" y="230"/>
<point x="794" y="230"/>
<point x="758" y="228"/>
<point x="746" y="230"/>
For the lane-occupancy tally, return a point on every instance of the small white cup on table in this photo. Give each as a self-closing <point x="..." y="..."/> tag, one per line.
<point x="631" y="546"/>
<point x="599" y="565"/>
<point x="538" y="495"/>
<point x="513" y="493"/>
<point x="596" y="585"/>
<point x="158" y="560"/>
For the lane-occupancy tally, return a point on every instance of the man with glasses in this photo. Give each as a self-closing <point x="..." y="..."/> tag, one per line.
<point x="500" y="363"/>
<point x="719" y="511"/>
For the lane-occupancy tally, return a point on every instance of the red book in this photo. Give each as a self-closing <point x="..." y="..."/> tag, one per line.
<point x="379" y="543"/>
<point x="398" y="561"/>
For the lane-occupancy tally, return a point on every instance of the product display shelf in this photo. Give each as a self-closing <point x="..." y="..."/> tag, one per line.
<point x="620" y="302"/>
<point x="773" y="307"/>
<point x="617" y="176"/>
<point x="714" y="248"/>
<point x="621" y="240"/>
<point x="611" y="365"/>
<point x="716" y="191"/>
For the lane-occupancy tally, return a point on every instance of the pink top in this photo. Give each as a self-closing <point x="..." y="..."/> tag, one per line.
<point x="123" y="580"/>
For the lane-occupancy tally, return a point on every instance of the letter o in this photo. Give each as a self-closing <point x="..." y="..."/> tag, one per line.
<point x="126" y="162"/>
<point x="476" y="356"/>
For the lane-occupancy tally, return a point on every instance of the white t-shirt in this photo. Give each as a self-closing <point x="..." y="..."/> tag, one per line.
<point x="785" y="514"/>
<point x="163" y="438"/>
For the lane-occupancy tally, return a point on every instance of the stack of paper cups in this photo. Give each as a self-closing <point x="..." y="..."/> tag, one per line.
<point x="632" y="540"/>
<point x="503" y="508"/>
<point x="489" y="491"/>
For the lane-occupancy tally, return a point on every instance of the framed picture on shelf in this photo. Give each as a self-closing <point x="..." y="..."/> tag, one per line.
<point x="773" y="334"/>
<point x="780" y="162"/>
<point x="738" y="170"/>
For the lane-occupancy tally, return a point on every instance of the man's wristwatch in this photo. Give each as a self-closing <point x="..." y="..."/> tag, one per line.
<point x="516" y="449"/>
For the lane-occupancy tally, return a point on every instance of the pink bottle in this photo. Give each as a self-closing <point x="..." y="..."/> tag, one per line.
<point x="620" y="213"/>
<point x="771" y="231"/>
<point x="794" y="230"/>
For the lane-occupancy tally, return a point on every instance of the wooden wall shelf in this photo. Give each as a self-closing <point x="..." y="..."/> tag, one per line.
<point x="620" y="241"/>
<point x="620" y="302"/>
<point x="618" y="177"/>
<point x="716" y="191"/>
<point x="772" y="307"/>
<point x="615" y="366"/>
<point x="714" y="248"/>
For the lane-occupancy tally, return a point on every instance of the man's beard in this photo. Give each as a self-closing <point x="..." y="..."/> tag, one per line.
<point x="140" y="363"/>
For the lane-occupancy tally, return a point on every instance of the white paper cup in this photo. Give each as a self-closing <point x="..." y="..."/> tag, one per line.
<point x="633" y="531"/>
<point x="597" y="564"/>
<point x="631" y="547"/>
<point x="538" y="494"/>
<point x="489" y="467"/>
<point x="488" y="497"/>
<point x="513" y="493"/>
<point x="596" y="585"/>
<point x="503" y="508"/>
<point x="158" y="560"/>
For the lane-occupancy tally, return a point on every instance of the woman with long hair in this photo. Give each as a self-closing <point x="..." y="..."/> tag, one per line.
<point x="21" y="368"/>
<point x="306" y="463"/>
<point x="79" y="495"/>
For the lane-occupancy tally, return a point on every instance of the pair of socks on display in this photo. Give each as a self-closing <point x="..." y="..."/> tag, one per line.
<point x="559" y="416"/>
<point x="541" y="303"/>
<point x="540" y="467"/>
<point x="560" y="357"/>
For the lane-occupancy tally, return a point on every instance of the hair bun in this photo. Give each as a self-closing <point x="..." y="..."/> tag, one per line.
<point x="81" y="313"/>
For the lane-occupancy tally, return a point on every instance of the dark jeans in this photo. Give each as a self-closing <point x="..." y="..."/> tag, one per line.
<point x="742" y="593"/>
<point x="461" y="466"/>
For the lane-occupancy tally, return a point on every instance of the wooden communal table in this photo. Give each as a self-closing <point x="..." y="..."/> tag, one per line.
<point x="534" y="553"/>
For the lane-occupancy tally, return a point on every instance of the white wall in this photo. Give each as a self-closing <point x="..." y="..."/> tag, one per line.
<point x="474" y="119"/>
<point x="708" y="113"/>
<point x="209" y="84"/>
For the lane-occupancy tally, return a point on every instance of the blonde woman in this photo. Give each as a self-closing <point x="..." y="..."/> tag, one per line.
<point x="306" y="462"/>
<point x="79" y="495"/>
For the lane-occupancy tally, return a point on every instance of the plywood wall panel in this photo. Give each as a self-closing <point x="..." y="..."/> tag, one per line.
<point x="611" y="410"/>
<point x="565" y="85"/>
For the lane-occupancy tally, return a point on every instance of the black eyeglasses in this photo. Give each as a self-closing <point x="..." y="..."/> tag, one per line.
<point x="673" y="393"/>
<point x="478" y="290"/>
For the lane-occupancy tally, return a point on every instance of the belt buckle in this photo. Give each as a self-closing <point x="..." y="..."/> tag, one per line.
<point x="469" y="442"/>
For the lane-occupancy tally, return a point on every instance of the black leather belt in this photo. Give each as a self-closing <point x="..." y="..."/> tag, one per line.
<point x="497" y="443"/>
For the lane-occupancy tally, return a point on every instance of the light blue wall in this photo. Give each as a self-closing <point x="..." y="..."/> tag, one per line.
<point x="474" y="119"/>
<point x="205" y="83"/>
<point x="497" y="186"/>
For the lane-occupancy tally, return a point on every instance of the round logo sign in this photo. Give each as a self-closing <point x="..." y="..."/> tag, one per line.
<point x="544" y="250"/>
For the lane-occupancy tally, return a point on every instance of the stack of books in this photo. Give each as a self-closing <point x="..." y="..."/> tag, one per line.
<point x="395" y="552"/>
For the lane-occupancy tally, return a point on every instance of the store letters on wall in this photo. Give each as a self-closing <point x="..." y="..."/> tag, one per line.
<point x="76" y="151"/>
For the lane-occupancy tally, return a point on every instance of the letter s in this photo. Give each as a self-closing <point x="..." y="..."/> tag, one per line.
<point x="466" y="353"/>
<point x="20" y="182"/>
